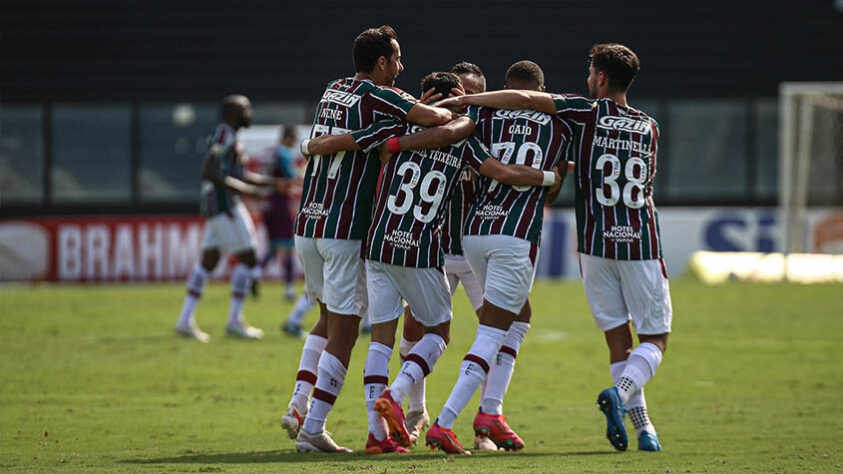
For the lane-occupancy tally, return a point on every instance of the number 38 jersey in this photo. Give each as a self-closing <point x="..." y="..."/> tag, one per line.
<point x="338" y="189"/>
<point x="412" y="200"/>
<point x="522" y="137"/>
<point x="615" y="166"/>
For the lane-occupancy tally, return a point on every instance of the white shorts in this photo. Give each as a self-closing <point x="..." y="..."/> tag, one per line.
<point x="334" y="273"/>
<point x="505" y="267"/>
<point x="618" y="289"/>
<point x="424" y="289"/>
<point x="234" y="233"/>
<point x="457" y="270"/>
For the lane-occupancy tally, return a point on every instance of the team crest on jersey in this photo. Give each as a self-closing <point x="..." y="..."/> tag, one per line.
<point x="624" y="124"/>
<point x="538" y="117"/>
<point x="346" y="99"/>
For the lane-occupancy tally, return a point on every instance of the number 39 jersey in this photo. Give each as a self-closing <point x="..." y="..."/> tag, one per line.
<point x="338" y="189"/>
<point x="412" y="200"/>
<point x="523" y="137"/>
<point x="615" y="164"/>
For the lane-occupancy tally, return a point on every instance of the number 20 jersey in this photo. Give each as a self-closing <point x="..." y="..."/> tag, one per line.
<point x="338" y="190"/>
<point x="615" y="164"/>
<point x="412" y="200"/>
<point x="522" y="137"/>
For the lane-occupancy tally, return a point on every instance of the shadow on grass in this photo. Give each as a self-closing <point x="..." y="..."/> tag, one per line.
<point x="292" y="456"/>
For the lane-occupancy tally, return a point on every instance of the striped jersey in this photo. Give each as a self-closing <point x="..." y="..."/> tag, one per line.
<point x="226" y="153"/>
<point x="413" y="199"/>
<point x="615" y="164"/>
<point x="338" y="190"/>
<point x="523" y="137"/>
<point x="458" y="208"/>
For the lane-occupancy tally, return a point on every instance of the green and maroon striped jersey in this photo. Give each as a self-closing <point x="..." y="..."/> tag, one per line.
<point x="615" y="164"/>
<point x="412" y="200"/>
<point x="523" y="137"/>
<point x="458" y="208"/>
<point x="338" y="190"/>
<point x="226" y="153"/>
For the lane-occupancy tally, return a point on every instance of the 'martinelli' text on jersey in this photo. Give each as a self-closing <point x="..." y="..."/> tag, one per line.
<point x="225" y="153"/>
<point x="615" y="166"/>
<point x="458" y="208"/>
<point x="338" y="189"/>
<point x="523" y="137"/>
<point x="413" y="198"/>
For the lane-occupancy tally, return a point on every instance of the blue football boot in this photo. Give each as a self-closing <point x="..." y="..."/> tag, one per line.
<point x="612" y="406"/>
<point x="649" y="442"/>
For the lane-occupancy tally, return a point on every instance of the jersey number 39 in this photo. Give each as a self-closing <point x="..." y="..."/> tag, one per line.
<point x="407" y="187"/>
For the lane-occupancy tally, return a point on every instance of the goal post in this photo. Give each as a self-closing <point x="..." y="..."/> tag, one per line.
<point x="810" y="157"/>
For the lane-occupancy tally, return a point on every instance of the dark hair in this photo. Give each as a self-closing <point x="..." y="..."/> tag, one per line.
<point x="617" y="62"/>
<point x="525" y="72"/>
<point x="442" y="81"/>
<point x="233" y="103"/>
<point x="466" y="67"/>
<point x="370" y="45"/>
<point x="289" y="132"/>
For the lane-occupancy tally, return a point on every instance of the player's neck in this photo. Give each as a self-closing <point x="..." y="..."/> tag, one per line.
<point x="361" y="76"/>
<point x="618" y="97"/>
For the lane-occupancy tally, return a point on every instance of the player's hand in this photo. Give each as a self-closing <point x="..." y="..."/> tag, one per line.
<point x="428" y="97"/>
<point x="451" y="102"/>
<point x="557" y="181"/>
<point x="385" y="155"/>
<point x="457" y="91"/>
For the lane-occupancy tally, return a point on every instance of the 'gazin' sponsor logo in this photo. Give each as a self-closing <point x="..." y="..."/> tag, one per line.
<point x="624" y="124"/>
<point x="343" y="98"/>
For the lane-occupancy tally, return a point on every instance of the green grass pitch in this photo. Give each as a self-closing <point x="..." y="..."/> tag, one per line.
<point x="93" y="380"/>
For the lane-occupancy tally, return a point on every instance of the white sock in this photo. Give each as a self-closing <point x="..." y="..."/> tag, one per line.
<point x="473" y="369"/>
<point x="239" y="286"/>
<point x="306" y="376"/>
<point x="329" y="382"/>
<point x="303" y="304"/>
<point x="418" y="364"/>
<point x="636" y="405"/>
<point x="195" y="286"/>
<point x="375" y="379"/>
<point x="640" y="367"/>
<point x="497" y="382"/>
<point x="255" y="273"/>
<point x="416" y="394"/>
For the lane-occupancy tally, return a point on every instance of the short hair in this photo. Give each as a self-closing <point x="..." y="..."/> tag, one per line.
<point x="617" y="62"/>
<point x="288" y="132"/>
<point x="443" y="82"/>
<point x="466" y="67"/>
<point x="233" y="103"/>
<point x="525" y="72"/>
<point x="370" y="45"/>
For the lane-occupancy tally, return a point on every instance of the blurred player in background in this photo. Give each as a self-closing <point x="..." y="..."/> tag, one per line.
<point x="228" y="225"/>
<point x="278" y="215"/>
<point x="619" y="245"/>
<point x="333" y="218"/>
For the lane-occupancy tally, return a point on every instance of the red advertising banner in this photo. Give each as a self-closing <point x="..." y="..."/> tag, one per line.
<point x="99" y="248"/>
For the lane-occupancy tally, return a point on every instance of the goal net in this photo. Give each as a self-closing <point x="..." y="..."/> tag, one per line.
<point x="811" y="167"/>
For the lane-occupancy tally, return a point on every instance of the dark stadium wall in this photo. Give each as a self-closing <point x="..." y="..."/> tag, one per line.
<point x="287" y="51"/>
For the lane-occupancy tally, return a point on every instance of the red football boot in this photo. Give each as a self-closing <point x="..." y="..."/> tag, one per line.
<point x="394" y="416"/>
<point x="444" y="439"/>
<point x="374" y="446"/>
<point x="495" y="428"/>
